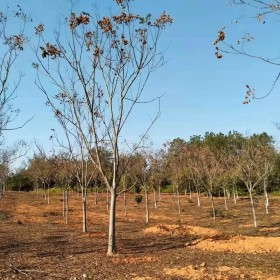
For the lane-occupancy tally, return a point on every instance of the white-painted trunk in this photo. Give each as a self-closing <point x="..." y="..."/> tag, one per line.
<point x="124" y="203"/>
<point x="63" y="203"/>
<point x="84" y="203"/>
<point x="213" y="206"/>
<point x="253" y="209"/>
<point x="66" y="207"/>
<point x="48" y="194"/>
<point x="178" y="202"/>
<point x="198" y="197"/>
<point x="225" y="200"/>
<point x="155" y="199"/>
<point x="266" y="196"/>
<point x="112" y="223"/>
<point x="107" y="200"/>
<point x="147" y="206"/>
<point x="234" y="197"/>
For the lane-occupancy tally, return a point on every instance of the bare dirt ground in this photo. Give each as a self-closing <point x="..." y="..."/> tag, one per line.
<point x="35" y="243"/>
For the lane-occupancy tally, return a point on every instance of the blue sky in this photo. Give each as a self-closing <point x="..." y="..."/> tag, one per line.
<point x="201" y="93"/>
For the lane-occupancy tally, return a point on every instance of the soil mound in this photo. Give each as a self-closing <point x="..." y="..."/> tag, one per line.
<point x="220" y="273"/>
<point x="239" y="244"/>
<point x="181" y="230"/>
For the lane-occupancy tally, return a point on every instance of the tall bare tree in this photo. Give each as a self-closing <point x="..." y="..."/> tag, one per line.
<point x="12" y="45"/>
<point x="249" y="164"/>
<point x="99" y="71"/>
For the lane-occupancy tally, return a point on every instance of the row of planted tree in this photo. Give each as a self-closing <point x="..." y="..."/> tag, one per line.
<point x="93" y="71"/>
<point x="215" y="164"/>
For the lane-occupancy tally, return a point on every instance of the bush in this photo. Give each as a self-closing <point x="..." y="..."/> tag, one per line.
<point x="138" y="198"/>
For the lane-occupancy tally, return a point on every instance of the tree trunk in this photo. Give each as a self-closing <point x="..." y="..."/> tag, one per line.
<point x="63" y="203"/>
<point x="198" y="196"/>
<point x="84" y="201"/>
<point x="225" y="199"/>
<point x="234" y="197"/>
<point x="174" y="193"/>
<point x="213" y="206"/>
<point x="107" y="199"/>
<point x="228" y="194"/>
<point x="178" y="201"/>
<point x="190" y="191"/>
<point x="265" y="195"/>
<point x="159" y="193"/>
<point x="66" y="207"/>
<point x="253" y="209"/>
<point x="155" y="199"/>
<point x="96" y="193"/>
<point x="37" y="189"/>
<point x="112" y="223"/>
<point x="45" y="193"/>
<point x="147" y="206"/>
<point x="124" y="203"/>
<point x="48" y="194"/>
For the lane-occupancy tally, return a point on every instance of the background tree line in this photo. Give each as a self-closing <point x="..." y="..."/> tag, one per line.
<point x="216" y="164"/>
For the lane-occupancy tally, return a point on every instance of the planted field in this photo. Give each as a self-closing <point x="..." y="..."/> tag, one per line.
<point x="35" y="242"/>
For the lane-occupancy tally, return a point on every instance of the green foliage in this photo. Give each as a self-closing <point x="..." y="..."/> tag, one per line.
<point x="56" y="190"/>
<point x="219" y="213"/>
<point x="19" y="182"/>
<point x="168" y="189"/>
<point x="276" y="193"/>
<point x="138" y="198"/>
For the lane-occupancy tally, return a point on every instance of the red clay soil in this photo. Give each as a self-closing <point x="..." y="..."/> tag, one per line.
<point x="35" y="242"/>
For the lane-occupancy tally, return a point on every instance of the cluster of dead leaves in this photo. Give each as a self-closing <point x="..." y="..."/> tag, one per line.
<point x="50" y="50"/>
<point x="75" y="21"/>
<point x="220" y="38"/>
<point x="39" y="29"/>
<point x="163" y="20"/>
<point x="249" y="94"/>
<point x="16" y="41"/>
<point x="105" y="25"/>
<point x="124" y="18"/>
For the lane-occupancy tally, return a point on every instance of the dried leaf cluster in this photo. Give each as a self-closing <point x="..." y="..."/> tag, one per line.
<point x="39" y="29"/>
<point x="221" y="36"/>
<point x="16" y="42"/>
<point x="163" y="20"/>
<point x="249" y="94"/>
<point x="75" y="21"/>
<point x="50" y="50"/>
<point x="124" y="18"/>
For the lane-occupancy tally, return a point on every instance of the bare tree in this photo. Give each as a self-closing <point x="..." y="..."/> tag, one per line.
<point x="79" y="161"/>
<point x="99" y="71"/>
<point x="65" y="176"/>
<point x="266" y="168"/>
<point x="142" y="172"/>
<point x="249" y="162"/>
<point x="260" y="12"/>
<point x="8" y="156"/>
<point x="176" y="166"/>
<point x="12" y="45"/>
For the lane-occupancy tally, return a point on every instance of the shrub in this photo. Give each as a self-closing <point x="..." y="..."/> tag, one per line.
<point x="138" y="198"/>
